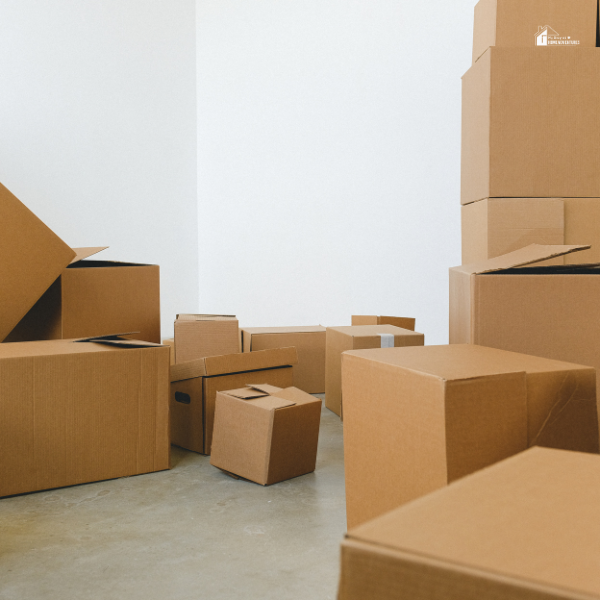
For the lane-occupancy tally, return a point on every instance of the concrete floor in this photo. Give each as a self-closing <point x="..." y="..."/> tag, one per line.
<point x="188" y="533"/>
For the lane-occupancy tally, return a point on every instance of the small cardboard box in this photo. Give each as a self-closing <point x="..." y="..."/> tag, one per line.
<point x="266" y="434"/>
<point x="340" y="339"/>
<point x="198" y="336"/>
<point x="545" y="24"/>
<point x="194" y="387"/>
<point x="76" y="411"/>
<point x="402" y="322"/>
<point x="309" y="373"/>
<point x="416" y="419"/>
<point x="525" y="529"/>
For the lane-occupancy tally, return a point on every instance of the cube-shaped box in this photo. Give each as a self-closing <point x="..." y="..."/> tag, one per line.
<point x="266" y="434"/>
<point x="526" y="528"/>
<point x="340" y="339"/>
<point x="402" y="322"/>
<point x="309" y="373"/>
<point x="194" y="387"/>
<point x="76" y="411"/>
<point x="198" y="336"/>
<point x="416" y="419"/>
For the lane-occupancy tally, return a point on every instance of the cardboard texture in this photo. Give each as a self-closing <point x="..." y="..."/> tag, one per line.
<point x="544" y="24"/>
<point x="266" y="434"/>
<point x="530" y="125"/>
<point x="402" y="322"/>
<point x="194" y="387"/>
<point x="524" y="529"/>
<point x="32" y="257"/>
<point x="170" y="342"/>
<point x="340" y="339"/>
<point x="79" y="411"/>
<point x="198" y="336"/>
<point x="309" y="373"/>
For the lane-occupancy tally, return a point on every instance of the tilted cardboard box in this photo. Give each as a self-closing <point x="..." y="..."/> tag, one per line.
<point x="76" y="411"/>
<point x="194" y="387"/>
<point x="402" y="322"/>
<point x="198" y="336"/>
<point x="309" y="373"/>
<point x="340" y="339"/>
<point x="416" y="419"/>
<point x="266" y="434"/>
<point x="525" y="529"/>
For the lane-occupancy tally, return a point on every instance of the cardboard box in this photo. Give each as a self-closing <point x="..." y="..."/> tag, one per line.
<point x="545" y="24"/>
<point x="402" y="322"/>
<point x="266" y="434"/>
<point x="340" y="339"/>
<point x="198" y="336"/>
<point x="31" y="258"/>
<point x="416" y="419"/>
<point x="94" y="298"/>
<point x="309" y="373"/>
<point x="530" y="125"/>
<point x="76" y="411"/>
<point x="524" y="529"/>
<point x="194" y="387"/>
<point x="582" y="226"/>
<point x="170" y="342"/>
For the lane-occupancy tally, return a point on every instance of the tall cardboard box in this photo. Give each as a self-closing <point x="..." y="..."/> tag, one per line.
<point x="194" y="387"/>
<point x="309" y="373"/>
<point x="402" y="322"/>
<point x="340" y="339"/>
<point x="198" y="336"/>
<point x="76" y="411"/>
<point x="524" y="529"/>
<point x="266" y="434"/>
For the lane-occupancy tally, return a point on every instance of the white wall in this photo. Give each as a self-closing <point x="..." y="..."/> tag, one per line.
<point x="329" y="158"/>
<point x="98" y="129"/>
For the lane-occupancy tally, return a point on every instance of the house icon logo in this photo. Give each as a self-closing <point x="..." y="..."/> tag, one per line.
<point x="546" y="36"/>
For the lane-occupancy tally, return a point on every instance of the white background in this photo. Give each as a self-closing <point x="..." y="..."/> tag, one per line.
<point x="327" y="147"/>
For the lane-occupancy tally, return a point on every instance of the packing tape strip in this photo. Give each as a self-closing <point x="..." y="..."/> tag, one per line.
<point x="387" y="340"/>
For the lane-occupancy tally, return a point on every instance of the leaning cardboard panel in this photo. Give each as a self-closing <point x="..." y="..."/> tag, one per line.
<point x="75" y="411"/>
<point x="198" y="336"/>
<point x="266" y="434"/>
<point x="402" y="322"/>
<point x="524" y="529"/>
<point x="31" y="258"/>
<point x="418" y="418"/>
<point x="194" y="387"/>
<point x="309" y="373"/>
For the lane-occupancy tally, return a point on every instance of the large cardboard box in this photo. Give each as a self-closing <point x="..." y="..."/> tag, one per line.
<point x="416" y="419"/>
<point x="198" y="336"/>
<point x="582" y="226"/>
<point x="93" y="298"/>
<point x="266" y="434"/>
<point x="530" y="125"/>
<point x="524" y="529"/>
<point x="340" y="339"/>
<point x="194" y="387"/>
<point x="75" y="411"/>
<point x="402" y="322"/>
<point x="31" y="258"/>
<point x="556" y="24"/>
<point x="309" y="373"/>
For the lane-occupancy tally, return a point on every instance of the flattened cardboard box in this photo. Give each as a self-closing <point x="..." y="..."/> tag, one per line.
<point x="525" y="529"/>
<point x="76" y="411"/>
<point x="198" y="336"/>
<point x="309" y="373"/>
<point x="266" y="434"/>
<point x="416" y="419"/>
<point x="402" y="322"/>
<point x="194" y="387"/>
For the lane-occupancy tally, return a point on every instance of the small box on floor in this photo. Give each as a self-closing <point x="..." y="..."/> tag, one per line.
<point x="266" y="434"/>
<point x="402" y="322"/>
<point x="198" y="336"/>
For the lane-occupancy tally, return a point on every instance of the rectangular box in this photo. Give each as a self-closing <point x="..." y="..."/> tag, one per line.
<point x="266" y="434"/>
<point x="309" y="373"/>
<point x="199" y="336"/>
<point x="524" y="529"/>
<point x="402" y="322"/>
<point x="194" y="387"/>
<point x="76" y="411"/>
<point x="416" y="419"/>
<point x="340" y="339"/>
<point x="170" y="342"/>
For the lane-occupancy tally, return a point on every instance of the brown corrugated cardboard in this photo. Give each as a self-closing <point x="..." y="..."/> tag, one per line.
<point x="418" y="418"/>
<point x="309" y="373"/>
<point x="75" y="411"/>
<point x="198" y="336"/>
<point x="545" y="24"/>
<point x="32" y="257"/>
<point x="170" y="342"/>
<point x="530" y="125"/>
<point x="340" y="339"/>
<point x="194" y="386"/>
<point x="266" y="434"/>
<point x="402" y="322"/>
<point x="525" y="529"/>
<point x="582" y="226"/>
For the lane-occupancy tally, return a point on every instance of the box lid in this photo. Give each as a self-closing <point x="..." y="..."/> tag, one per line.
<point x="269" y="397"/>
<point x="189" y="317"/>
<point x="373" y="330"/>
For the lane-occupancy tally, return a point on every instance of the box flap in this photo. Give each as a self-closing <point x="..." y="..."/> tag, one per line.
<point x="265" y="388"/>
<point x="188" y="317"/>
<point x="82" y="253"/>
<point x="271" y="402"/>
<point x="246" y="393"/>
<point x="284" y="330"/>
<point x="188" y="370"/>
<point x="250" y="361"/>
<point x="117" y="340"/>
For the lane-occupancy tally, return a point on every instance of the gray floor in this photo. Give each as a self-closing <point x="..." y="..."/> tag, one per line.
<point x="189" y="533"/>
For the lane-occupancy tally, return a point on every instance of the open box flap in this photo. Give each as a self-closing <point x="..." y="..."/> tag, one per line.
<point x="271" y="402"/>
<point x="83" y="253"/>
<point x="246" y="393"/>
<point x="119" y="341"/>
